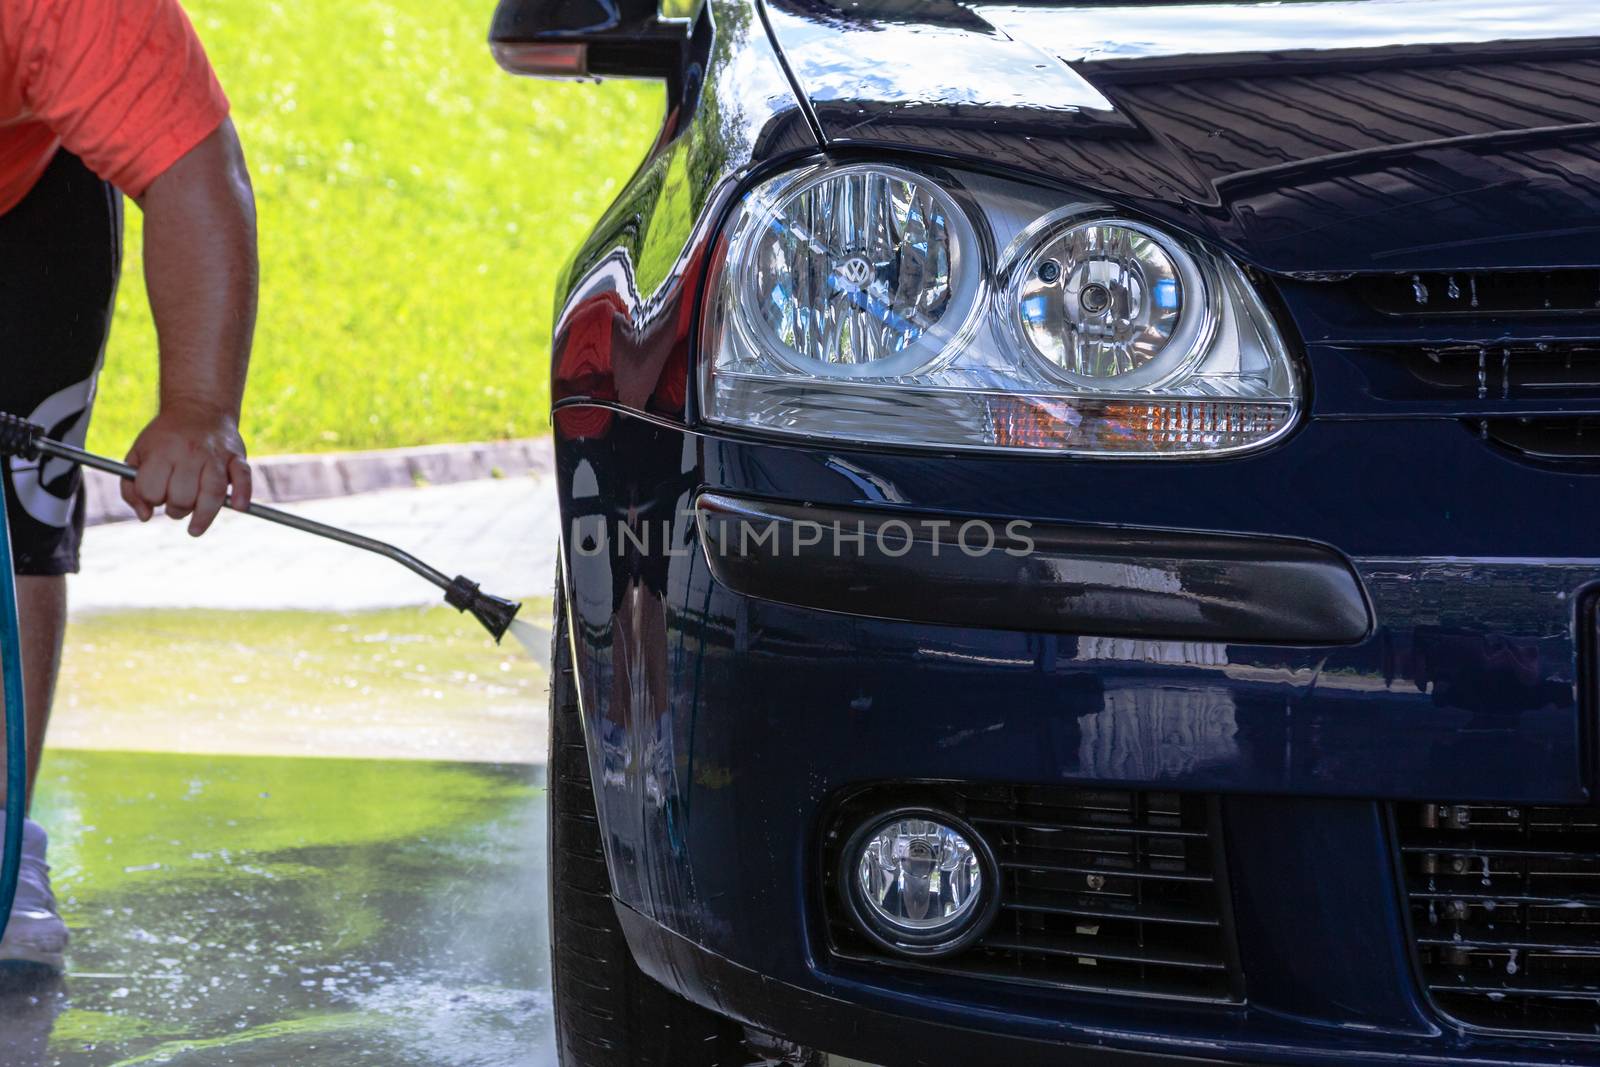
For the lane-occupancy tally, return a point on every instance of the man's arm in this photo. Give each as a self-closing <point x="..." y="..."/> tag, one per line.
<point x="201" y="272"/>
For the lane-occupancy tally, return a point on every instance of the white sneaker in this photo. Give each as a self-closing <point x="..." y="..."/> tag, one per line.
<point x="35" y="934"/>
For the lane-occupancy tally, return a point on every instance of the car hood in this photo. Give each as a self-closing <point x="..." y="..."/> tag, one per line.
<point x="1314" y="137"/>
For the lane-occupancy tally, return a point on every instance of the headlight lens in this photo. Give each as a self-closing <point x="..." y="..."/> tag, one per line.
<point x="852" y="269"/>
<point x="1108" y="303"/>
<point x="874" y="304"/>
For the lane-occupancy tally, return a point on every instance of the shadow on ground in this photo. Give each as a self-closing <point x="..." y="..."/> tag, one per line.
<point x="262" y="910"/>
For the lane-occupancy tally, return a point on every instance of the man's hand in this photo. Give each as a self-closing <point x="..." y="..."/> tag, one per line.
<point x="188" y="457"/>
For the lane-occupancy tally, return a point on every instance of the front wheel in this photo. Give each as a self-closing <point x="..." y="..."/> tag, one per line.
<point x="608" y="1012"/>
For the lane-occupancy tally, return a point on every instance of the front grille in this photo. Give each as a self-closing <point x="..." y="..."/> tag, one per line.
<point x="1513" y="354"/>
<point x="1508" y="372"/>
<point x="1560" y="439"/>
<point x="1111" y="892"/>
<point x="1505" y="911"/>
<point x="1495" y="292"/>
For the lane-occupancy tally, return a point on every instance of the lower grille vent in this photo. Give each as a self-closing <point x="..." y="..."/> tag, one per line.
<point x="1500" y="292"/>
<point x="1505" y="909"/>
<point x="1556" y="439"/>
<point x="1502" y="372"/>
<point x="1114" y="892"/>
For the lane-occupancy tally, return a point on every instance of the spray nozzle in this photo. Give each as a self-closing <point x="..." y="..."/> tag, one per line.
<point x="494" y="612"/>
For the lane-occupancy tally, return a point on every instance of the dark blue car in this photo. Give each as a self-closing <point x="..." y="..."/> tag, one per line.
<point x="1080" y="532"/>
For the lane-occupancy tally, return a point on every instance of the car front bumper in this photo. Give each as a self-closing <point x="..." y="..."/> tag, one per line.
<point x="722" y="725"/>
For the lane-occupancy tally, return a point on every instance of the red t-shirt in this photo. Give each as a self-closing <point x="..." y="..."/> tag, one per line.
<point x="123" y="84"/>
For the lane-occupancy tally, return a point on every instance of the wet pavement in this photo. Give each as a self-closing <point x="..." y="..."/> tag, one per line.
<point x="261" y="910"/>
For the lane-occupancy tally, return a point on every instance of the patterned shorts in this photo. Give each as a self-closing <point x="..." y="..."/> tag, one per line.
<point x="60" y="256"/>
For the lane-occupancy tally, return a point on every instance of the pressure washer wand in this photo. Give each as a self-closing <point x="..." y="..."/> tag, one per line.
<point x="19" y="437"/>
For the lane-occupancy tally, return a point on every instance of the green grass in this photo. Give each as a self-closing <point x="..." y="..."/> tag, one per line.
<point x="407" y="682"/>
<point x="416" y="205"/>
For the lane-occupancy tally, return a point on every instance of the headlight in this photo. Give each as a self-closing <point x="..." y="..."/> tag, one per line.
<point x="876" y="304"/>
<point x="857" y="273"/>
<point x="1108" y="304"/>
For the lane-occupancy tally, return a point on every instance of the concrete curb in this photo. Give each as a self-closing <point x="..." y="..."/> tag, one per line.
<point x="284" y="479"/>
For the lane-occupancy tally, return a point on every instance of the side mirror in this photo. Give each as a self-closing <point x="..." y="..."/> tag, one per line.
<point x="592" y="38"/>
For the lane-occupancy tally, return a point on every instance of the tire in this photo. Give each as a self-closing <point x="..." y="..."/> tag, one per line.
<point x="608" y="1012"/>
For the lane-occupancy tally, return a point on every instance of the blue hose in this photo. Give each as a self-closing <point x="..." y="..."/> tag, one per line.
<point x="16" y="725"/>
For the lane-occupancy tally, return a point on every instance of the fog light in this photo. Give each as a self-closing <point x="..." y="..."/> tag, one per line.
<point x="919" y="882"/>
